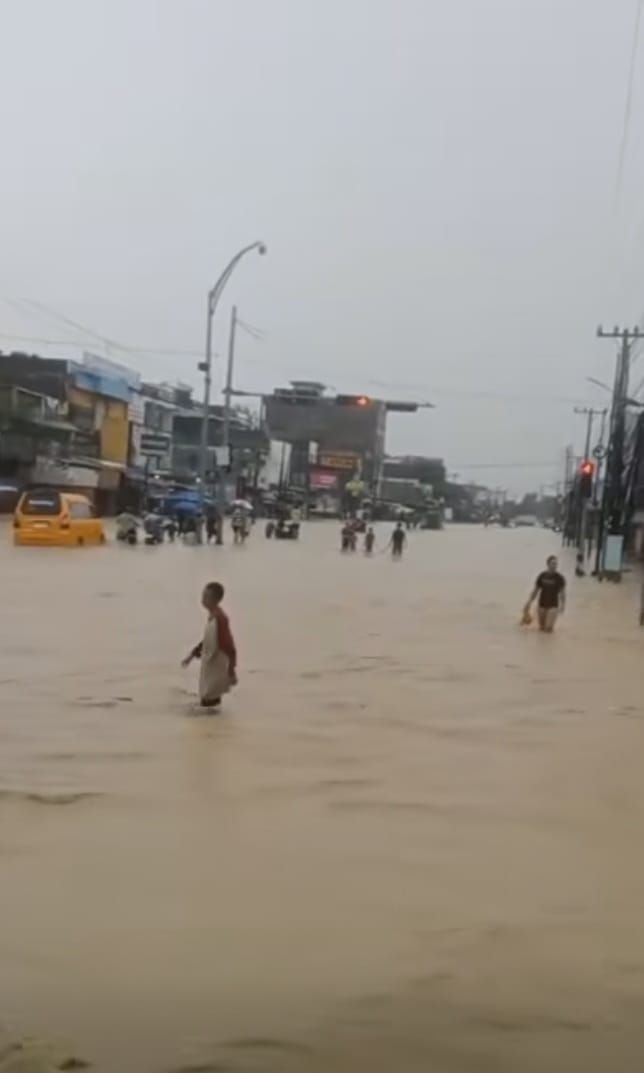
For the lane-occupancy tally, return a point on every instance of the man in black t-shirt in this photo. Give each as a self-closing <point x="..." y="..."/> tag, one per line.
<point x="550" y="593"/>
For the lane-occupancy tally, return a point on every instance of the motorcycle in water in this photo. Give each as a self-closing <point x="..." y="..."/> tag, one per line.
<point x="128" y="536"/>
<point x="153" y="528"/>
<point x="127" y="526"/>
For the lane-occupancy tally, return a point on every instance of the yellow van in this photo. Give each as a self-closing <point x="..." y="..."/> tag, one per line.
<point x="47" y="518"/>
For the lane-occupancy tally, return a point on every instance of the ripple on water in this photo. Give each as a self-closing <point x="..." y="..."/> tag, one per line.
<point x="38" y="1056"/>
<point x="38" y="797"/>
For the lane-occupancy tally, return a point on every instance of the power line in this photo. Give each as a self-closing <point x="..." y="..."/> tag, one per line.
<point x="255" y="333"/>
<point x="42" y="308"/>
<point x="259" y="336"/>
<point x="79" y="342"/>
<point x="628" y="105"/>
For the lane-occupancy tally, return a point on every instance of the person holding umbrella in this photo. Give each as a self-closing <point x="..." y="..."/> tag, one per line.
<point x="239" y="520"/>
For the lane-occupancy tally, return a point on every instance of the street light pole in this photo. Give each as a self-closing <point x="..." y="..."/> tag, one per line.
<point x="206" y="366"/>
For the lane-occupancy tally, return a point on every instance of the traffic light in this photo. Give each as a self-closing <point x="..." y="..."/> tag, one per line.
<point x="352" y="400"/>
<point x="586" y="474"/>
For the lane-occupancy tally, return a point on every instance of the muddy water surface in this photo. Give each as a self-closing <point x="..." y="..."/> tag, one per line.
<point x="412" y="841"/>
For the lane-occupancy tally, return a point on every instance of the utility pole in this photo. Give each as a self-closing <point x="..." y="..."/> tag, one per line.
<point x="206" y="368"/>
<point x="566" y="519"/>
<point x="581" y="502"/>
<point x="228" y="390"/>
<point x="229" y="377"/>
<point x="611" y="520"/>
<point x="590" y="414"/>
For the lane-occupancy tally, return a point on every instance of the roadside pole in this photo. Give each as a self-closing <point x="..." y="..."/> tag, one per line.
<point x="568" y="484"/>
<point x="583" y="539"/>
<point x="599" y="452"/>
<point x="611" y="519"/>
<point x="228" y="390"/>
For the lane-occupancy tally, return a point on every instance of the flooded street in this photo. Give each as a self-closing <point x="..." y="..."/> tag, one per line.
<point x="412" y="841"/>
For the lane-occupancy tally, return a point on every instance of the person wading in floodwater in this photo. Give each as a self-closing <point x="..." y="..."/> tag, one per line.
<point x="550" y="593"/>
<point x="348" y="537"/>
<point x="217" y="651"/>
<point x="398" y="539"/>
<point x="369" y="541"/>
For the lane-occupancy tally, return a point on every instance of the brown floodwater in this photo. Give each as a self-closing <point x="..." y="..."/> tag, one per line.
<point x="412" y="841"/>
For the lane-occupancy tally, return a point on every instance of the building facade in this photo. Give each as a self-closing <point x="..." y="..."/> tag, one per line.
<point x="64" y="423"/>
<point x="334" y="440"/>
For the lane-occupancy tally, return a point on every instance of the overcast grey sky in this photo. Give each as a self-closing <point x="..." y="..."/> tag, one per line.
<point x="434" y="179"/>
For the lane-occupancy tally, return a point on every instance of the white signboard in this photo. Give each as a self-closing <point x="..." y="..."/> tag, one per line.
<point x="94" y="363"/>
<point x="136" y="408"/>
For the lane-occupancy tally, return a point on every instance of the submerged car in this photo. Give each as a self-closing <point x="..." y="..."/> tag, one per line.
<point x="45" y="517"/>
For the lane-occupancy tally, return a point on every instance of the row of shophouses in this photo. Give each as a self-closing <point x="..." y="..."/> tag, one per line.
<point x="96" y="427"/>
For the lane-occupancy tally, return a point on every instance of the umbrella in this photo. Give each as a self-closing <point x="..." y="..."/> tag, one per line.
<point x="242" y="504"/>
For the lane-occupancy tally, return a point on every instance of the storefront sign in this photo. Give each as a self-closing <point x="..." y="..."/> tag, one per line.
<point x="343" y="460"/>
<point x="154" y="443"/>
<point x="321" y="480"/>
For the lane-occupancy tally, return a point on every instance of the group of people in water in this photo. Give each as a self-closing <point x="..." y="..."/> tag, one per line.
<point x="217" y="651"/>
<point x="154" y="527"/>
<point x="351" y="530"/>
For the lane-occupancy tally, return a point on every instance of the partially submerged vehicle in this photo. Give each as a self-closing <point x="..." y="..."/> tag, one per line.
<point x="283" y="529"/>
<point x="431" y="516"/>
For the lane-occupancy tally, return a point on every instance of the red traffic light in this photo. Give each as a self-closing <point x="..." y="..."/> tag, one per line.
<point x="586" y="474"/>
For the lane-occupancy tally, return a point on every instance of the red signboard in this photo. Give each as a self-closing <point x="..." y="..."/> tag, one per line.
<point x="323" y="480"/>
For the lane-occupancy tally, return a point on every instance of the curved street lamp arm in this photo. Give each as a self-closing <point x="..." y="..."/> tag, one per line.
<point x="215" y="292"/>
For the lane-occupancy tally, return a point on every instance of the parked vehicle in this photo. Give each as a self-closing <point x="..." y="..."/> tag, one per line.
<point x="431" y="517"/>
<point x="431" y="520"/>
<point x="47" y="518"/>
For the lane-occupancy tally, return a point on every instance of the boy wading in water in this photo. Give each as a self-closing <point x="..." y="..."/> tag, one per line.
<point x="550" y="588"/>
<point x="217" y="651"/>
